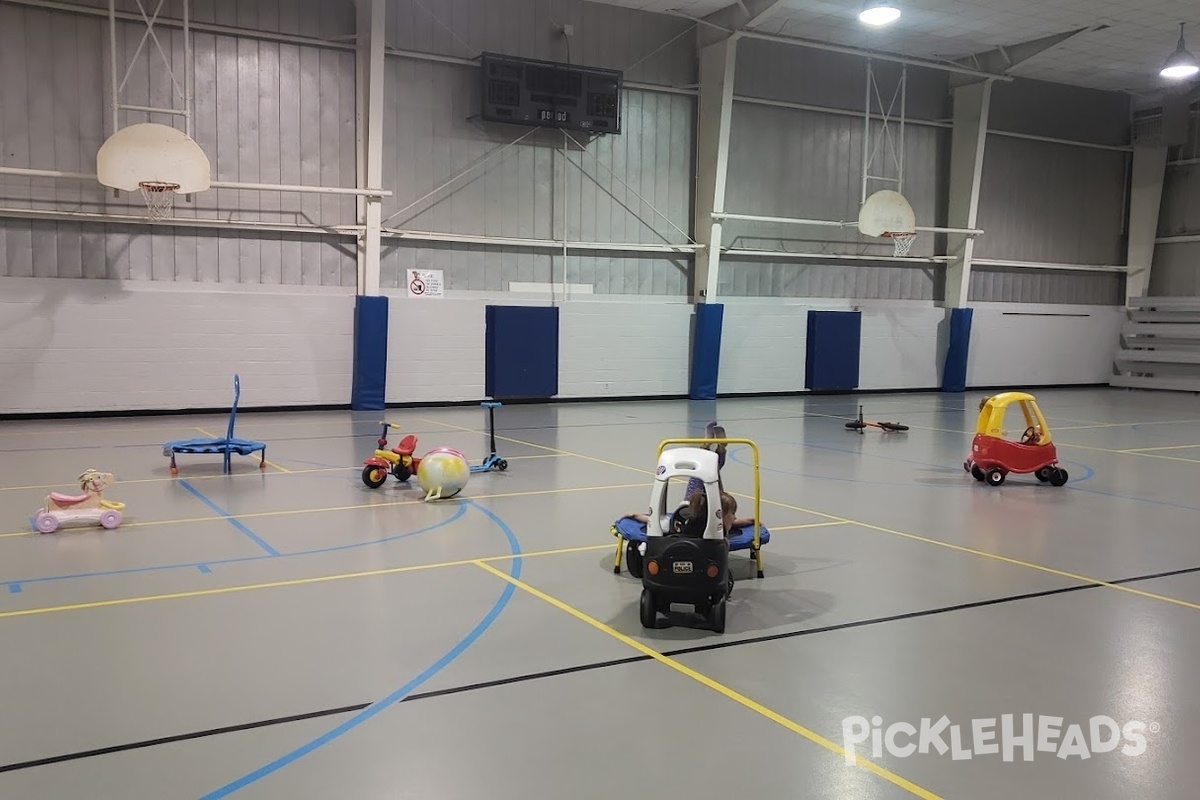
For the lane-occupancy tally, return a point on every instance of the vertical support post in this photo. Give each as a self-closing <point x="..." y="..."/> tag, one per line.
<point x="187" y="70"/>
<point x="362" y="59"/>
<point x="972" y="103"/>
<point x="112" y="58"/>
<point x="717" y="70"/>
<point x="1145" y="198"/>
<point x="369" y="387"/>
<point x="866" y="161"/>
<point x="903" y="120"/>
<point x="373" y="14"/>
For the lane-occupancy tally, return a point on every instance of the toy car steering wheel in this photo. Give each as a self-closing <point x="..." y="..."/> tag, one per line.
<point x="679" y="521"/>
<point x="1030" y="436"/>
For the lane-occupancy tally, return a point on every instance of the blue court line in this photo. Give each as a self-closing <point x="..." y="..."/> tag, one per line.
<point x="234" y="521"/>
<point x="241" y="559"/>
<point x="404" y="691"/>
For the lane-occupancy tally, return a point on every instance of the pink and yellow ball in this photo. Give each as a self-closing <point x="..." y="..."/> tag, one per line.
<point x="443" y="472"/>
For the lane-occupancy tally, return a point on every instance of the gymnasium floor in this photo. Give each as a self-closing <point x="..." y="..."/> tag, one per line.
<point x="251" y="636"/>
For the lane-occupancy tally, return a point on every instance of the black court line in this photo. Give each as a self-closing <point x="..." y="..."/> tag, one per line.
<point x="591" y="667"/>
<point x="183" y="737"/>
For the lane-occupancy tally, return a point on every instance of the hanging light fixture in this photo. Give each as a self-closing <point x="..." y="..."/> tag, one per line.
<point x="878" y="13"/>
<point x="1181" y="63"/>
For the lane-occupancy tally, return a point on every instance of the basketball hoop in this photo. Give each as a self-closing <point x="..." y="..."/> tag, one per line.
<point x="902" y="242"/>
<point x="160" y="197"/>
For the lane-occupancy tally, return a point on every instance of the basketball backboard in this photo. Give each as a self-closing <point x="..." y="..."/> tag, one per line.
<point x="152" y="153"/>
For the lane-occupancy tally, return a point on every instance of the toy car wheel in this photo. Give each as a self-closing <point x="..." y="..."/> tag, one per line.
<point x="633" y="558"/>
<point x="1044" y="474"/>
<point x="46" y="523"/>
<point x="649" y="609"/>
<point x="994" y="476"/>
<point x="502" y="465"/>
<point x="401" y="472"/>
<point x="716" y="616"/>
<point x="374" y="477"/>
<point x="1058" y="477"/>
<point x="110" y="519"/>
<point x="977" y="473"/>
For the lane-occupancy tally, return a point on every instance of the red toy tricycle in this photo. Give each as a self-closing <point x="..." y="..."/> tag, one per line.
<point x="399" y="461"/>
<point x="993" y="457"/>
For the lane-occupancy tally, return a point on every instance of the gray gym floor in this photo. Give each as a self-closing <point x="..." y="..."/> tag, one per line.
<point x="290" y="633"/>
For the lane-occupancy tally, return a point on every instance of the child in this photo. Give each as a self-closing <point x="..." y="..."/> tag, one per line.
<point x="711" y="431"/>
<point x="696" y="515"/>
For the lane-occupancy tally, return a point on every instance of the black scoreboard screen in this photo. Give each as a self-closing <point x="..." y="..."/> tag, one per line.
<point x="523" y="91"/>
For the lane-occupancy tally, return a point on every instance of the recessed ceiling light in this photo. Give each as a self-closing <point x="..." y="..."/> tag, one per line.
<point x="1181" y="63"/>
<point x="878" y="13"/>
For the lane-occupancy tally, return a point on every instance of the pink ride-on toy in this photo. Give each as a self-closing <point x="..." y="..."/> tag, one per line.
<point x="89" y="507"/>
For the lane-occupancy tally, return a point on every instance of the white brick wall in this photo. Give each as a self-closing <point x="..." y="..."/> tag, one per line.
<point x="1010" y="350"/>
<point x="763" y="347"/>
<point x="82" y="345"/>
<point x="435" y="349"/>
<point x="632" y="349"/>
<point x="606" y="347"/>
<point x="764" y="344"/>
<point x="900" y="348"/>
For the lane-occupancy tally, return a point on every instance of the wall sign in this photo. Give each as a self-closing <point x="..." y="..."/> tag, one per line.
<point x="425" y="283"/>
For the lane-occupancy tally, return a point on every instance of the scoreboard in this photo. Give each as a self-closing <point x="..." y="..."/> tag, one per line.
<point x="523" y="91"/>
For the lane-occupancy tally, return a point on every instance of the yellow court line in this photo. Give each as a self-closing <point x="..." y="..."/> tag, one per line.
<point x="212" y="435"/>
<point x="1140" y="450"/>
<point x="386" y="504"/>
<point x="124" y="601"/>
<point x="173" y="479"/>
<point x="1128" y="453"/>
<point x="924" y="539"/>
<point x="1005" y="559"/>
<point x="720" y="688"/>
<point x="774" y="529"/>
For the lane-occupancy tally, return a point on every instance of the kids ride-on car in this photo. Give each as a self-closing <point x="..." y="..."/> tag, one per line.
<point x="679" y="568"/>
<point x="993" y="457"/>
<point x="398" y="461"/>
<point x="90" y="507"/>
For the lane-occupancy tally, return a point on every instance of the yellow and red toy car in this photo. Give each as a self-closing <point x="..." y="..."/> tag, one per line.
<point x="993" y="456"/>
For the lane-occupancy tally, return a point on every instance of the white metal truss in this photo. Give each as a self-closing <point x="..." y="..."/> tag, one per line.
<point x="873" y="144"/>
<point x="181" y="105"/>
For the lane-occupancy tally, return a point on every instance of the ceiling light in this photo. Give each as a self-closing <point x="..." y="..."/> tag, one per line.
<point x="1181" y="64"/>
<point x="879" y="13"/>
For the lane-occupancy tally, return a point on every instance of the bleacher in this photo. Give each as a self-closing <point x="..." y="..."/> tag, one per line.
<point x="1160" y="345"/>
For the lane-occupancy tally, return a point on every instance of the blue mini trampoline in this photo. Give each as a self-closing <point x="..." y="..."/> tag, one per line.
<point x="631" y="533"/>
<point x="225" y="447"/>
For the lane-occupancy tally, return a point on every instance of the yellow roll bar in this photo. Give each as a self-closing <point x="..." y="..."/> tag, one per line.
<point x="755" y="548"/>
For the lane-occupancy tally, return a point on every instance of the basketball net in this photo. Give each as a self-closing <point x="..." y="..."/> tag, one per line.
<point x="159" y="197"/>
<point x="902" y="243"/>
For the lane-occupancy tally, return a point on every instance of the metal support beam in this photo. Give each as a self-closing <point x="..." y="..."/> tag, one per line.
<point x="1145" y="198"/>
<point x="182" y="85"/>
<point x="744" y="14"/>
<point x="715" y="114"/>
<point x="370" y="54"/>
<point x="968" y="140"/>
<point x="1002" y="59"/>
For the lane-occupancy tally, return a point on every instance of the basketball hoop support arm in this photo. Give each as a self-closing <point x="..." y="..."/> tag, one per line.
<point x="828" y="223"/>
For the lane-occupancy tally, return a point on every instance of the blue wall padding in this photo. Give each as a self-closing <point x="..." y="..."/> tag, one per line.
<point x="706" y="351"/>
<point x="954" y="373"/>
<point x="370" y="353"/>
<point x="834" y="338"/>
<point x="521" y="352"/>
